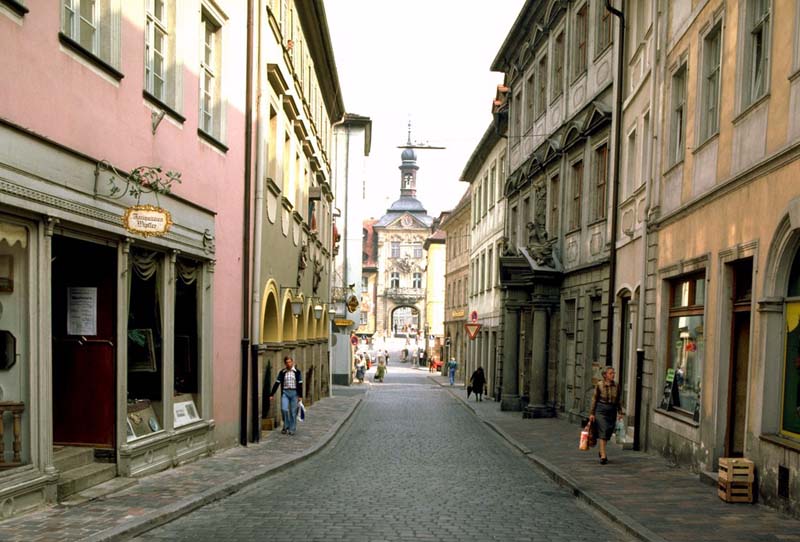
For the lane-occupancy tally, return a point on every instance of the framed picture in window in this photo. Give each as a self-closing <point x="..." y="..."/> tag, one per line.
<point x="141" y="351"/>
<point x="6" y="273"/>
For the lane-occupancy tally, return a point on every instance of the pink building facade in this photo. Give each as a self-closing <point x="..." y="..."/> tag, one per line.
<point x="112" y="341"/>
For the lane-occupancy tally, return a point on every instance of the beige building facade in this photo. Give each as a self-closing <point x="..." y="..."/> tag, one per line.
<point x="457" y="286"/>
<point x="726" y="275"/>
<point x="484" y="170"/>
<point x="299" y="100"/>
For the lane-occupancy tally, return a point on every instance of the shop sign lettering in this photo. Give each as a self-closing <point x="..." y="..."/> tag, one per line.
<point x="147" y="220"/>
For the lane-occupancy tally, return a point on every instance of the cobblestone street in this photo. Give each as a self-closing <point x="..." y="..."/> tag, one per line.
<point x="411" y="464"/>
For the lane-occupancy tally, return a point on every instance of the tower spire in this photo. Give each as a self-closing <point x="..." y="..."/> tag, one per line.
<point x="409" y="132"/>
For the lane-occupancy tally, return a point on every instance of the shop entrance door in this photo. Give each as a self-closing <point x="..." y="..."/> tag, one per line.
<point x="739" y="358"/>
<point x="84" y="298"/>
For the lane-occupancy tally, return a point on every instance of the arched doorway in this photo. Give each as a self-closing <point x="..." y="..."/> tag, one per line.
<point x="405" y="321"/>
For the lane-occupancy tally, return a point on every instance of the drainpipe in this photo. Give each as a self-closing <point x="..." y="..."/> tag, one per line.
<point x="342" y="234"/>
<point x="248" y="119"/>
<point x="258" y="220"/>
<point x="637" y="428"/>
<point x="612" y="265"/>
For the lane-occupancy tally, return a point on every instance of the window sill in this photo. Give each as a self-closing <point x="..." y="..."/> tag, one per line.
<point x="674" y="166"/>
<point x="707" y="142"/>
<point x="750" y="108"/>
<point x="167" y="109"/>
<point x="211" y="140"/>
<point x="679" y="417"/>
<point x="604" y="49"/>
<point x="15" y="6"/>
<point x="597" y="221"/>
<point x="780" y="440"/>
<point x="794" y="75"/>
<point x="89" y="56"/>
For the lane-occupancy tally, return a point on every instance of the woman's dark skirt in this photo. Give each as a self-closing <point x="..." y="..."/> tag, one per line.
<point x="605" y="416"/>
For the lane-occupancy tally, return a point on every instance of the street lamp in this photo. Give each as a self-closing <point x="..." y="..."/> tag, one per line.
<point x="317" y="311"/>
<point x="296" y="300"/>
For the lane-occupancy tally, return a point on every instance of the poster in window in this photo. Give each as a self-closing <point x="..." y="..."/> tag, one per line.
<point x="81" y="311"/>
<point x="791" y="390"/>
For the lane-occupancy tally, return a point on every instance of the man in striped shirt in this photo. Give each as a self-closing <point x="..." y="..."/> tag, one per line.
<point x="290" y="380"/>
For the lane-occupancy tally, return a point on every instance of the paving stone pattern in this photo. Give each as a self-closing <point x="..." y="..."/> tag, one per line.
<point x="170" y="492"/>
<point x="411" y="464"/>
<point x="666" y="502"/>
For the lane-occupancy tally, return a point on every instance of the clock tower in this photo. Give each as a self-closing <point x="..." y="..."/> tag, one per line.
<point x="408" y="171"/>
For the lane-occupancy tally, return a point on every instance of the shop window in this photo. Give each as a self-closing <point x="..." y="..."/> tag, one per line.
<point x="790" y="422"/>
<point x="145" y="341"/>
<point x="14" y="345"/>
<point x="686" y="345"/>
<point x="186" y="342"/>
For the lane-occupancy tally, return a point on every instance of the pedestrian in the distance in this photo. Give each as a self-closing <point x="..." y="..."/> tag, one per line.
<point x="451" y="370"/>
<point x="478" y="383"/>
<point x="380" y="372"/>
<point x="605" y="409"/>
<point x="361" y="369"/>
<point x="290" y="379"/>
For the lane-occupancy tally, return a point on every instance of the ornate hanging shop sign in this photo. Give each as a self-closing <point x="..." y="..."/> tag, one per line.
<point x="147" y="220"/>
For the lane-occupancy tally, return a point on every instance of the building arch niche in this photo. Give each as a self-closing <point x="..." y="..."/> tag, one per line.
<point x="322" y="325"/>
<point x="289" y="322"/>
<point x="270" y="315"/>
<point x="783" y="253"/>
<point x="405" y="320"/>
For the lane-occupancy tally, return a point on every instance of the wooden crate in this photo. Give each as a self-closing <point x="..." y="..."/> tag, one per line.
<point x="736" y="491"/>
<point x="736" y="469"/>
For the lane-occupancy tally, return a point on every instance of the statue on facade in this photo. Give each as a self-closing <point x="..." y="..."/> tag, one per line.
<point x="540" y="248"/>
<point x="317" y="275"/>
<point x="505" y="247"/>
<point x="302" y="262"/>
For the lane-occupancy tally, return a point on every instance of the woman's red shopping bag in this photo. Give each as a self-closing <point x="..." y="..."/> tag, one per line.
<point x="584" y="442"/>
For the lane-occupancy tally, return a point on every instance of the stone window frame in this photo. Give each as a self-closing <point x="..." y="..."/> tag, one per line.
<point x="603" y="18"/>
<point x="666" y="276"/>
<point x="580" y="62"/>
<point x="716" y="25"/>
<point x="17" y="7"/>
<point x="214" y="133"/>
<point x="600" y="212"/>
<point x="748" y="27"/>
<point x="558" y="68"/>
<point x="677" y="135"/>
<point x="104" y="51"/>
<point x="774" y="279"/>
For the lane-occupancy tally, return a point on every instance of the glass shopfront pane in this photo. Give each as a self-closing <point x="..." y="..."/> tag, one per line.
<point x="187" y="343"/>
<point x="686" y="356"/>
<point x="145" y="342"/>
<point x="791" y="381"/>
<point x="14" y="344"/>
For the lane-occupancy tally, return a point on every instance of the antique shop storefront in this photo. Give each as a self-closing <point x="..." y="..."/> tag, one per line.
<point x="106" y="333"/>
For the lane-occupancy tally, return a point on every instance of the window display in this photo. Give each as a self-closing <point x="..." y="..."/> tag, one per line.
<point x="686" y="347"/>
<point x="791" y="381"/>
<point x="145" y="340"/>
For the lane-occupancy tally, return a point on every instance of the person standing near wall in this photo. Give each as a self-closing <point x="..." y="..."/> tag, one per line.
<point x="451" y="370"/>
<point x="290" y="379"/>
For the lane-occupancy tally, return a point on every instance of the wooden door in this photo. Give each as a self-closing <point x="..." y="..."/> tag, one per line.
<point x="84" y="301"/>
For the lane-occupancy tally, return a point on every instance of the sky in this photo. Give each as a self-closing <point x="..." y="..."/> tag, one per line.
<point x="427" y="61"/>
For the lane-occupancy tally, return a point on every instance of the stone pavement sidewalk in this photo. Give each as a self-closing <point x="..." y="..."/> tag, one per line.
<point x="164" y="496"/>
<point x="641" y="492"/>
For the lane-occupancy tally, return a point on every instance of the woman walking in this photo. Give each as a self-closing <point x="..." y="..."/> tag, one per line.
<point x="478" y="383"/>
<point x="606" y="409"/>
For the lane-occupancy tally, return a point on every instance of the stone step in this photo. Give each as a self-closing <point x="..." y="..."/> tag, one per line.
<point x="76" y="480"/>
<point x="100" y="490"/>
<point x="72" y="457"/>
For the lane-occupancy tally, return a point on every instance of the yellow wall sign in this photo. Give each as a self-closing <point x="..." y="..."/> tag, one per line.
<point x="459" y="313"/>
<point x="147" y="220"/>
<point x="342" y="322"/>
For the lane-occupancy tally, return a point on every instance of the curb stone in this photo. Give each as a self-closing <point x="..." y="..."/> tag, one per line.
<point x="611" y="512"/>
<point x="170" y="513"/>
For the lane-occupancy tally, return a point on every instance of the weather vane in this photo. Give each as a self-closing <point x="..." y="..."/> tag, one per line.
<point x="410" y="145"/>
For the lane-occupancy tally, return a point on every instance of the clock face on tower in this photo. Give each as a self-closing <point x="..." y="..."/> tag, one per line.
<point x="406" y="221"/>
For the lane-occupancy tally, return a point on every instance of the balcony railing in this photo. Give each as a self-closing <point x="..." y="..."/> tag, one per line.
<point x="405" y="294"/>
